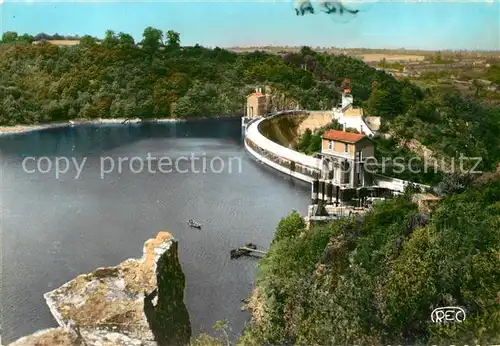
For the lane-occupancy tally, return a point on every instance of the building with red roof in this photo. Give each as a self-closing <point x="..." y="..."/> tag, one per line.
<point x="344" y="155"/>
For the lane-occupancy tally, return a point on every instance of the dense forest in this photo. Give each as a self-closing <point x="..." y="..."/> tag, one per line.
<point x="157" y="77"/>
<point x="376" y="281"/>
<point x="116" y="77"/>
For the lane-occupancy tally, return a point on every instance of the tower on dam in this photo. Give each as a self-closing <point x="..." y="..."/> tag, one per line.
<point x="256" y="104"/>
<point x="256" y="107"/>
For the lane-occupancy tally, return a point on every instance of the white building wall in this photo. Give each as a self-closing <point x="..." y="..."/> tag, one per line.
<point x="357" y="123"/>
<point x="394" y="184"/>
<point x="346" y="100"/>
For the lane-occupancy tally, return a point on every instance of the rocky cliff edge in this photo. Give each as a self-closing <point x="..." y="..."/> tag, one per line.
<point x="139" y="302"/>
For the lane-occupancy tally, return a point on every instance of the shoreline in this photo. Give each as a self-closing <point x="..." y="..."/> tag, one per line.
<point x="18" y="129"/>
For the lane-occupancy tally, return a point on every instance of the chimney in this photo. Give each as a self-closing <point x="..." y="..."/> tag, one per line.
<point x="343" y="127"/>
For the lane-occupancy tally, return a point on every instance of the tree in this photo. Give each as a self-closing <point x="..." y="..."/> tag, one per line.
<point x="455" y="183"/>
<point x="125" y="40"/>
<point x="173" y="39"/>
<point x="152" y="39"/>
<point x="382" y="103"/>
<point x="377" y="281"/>
<point x="289" y="227"/>
<point x="26" y="38"/>
<point x="222" y="327"/>
<point x="9" y="36"/>
<point x="305" y="140"/>
<point x="110" y="39"/>
<point x="88" y="40"/>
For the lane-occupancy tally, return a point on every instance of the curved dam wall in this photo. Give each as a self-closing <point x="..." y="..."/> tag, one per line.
<point x="293" y="163"/>
<point x="281" y="158"/>
<point x="286" y="127"/>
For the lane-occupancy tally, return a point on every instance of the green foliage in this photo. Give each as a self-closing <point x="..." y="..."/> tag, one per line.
<point x="173" y="39"/>
<point x="206" y="340"/>
<point x="88" y="40"/>
<point x="389" y="153"/>
<point x="493" y="73"/>
<point x="391" y="65"/>
<point x="305" y="140"/>
<point x="452" y="125"/>
<point x="125" y="40"/>
<point x="383" y="103"/>
<point x="377" y="281"/>
<point x="455" y="183"/>
<point x="289" y="227"/>
<point x="283" y="279"/>
<point x="152" y="39"/>
<point x="116" y="78"/>
<point x="110" y="39"/>
<point x="315" y="144"/>
<point x="9" y="36"/>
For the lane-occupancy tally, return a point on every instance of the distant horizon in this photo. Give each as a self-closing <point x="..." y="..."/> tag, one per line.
<point x="296" y="47"/>
<point x="398" y="25"/>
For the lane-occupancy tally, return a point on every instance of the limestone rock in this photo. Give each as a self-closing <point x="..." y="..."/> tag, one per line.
<point x="48" y="337"/>
<point x="137" y="303"/>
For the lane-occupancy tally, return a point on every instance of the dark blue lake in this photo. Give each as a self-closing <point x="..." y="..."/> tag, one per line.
<point x="55" y="228"/>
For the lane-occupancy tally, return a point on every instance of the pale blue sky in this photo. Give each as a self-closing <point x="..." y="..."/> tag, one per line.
<point x="424" y="25"/>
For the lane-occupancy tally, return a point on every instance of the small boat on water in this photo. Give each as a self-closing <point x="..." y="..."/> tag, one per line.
<point x="194" y="224"/>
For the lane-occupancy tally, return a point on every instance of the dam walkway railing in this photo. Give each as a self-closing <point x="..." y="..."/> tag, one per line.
<point x="284" y="159"/>
<point x="298" y="165"/>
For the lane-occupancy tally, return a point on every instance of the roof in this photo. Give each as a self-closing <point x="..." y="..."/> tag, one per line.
<point x="257" y="94"/>
<point x="343" y="136"/>
<point x="353" y="112"/>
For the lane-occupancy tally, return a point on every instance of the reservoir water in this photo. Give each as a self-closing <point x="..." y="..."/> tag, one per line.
<point x="55" y="228"/>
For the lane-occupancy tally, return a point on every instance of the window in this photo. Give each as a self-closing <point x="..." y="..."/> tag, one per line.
<point x="330" y="145"/>
<point x="346" y="148"/>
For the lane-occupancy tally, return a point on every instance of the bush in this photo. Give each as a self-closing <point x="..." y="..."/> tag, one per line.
<point x="377" y="281"/>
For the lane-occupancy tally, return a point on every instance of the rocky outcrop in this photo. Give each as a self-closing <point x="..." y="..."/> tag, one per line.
<point x="139" y="302"/>
<point x="430" y="156"/>
<point x="314" y="120"/>
<point x="287" y="129"/>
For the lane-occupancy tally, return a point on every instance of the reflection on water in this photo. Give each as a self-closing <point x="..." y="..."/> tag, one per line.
<point x="55" y="229"/>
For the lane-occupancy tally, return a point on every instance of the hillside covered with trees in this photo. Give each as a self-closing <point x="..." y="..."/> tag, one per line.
<point x="376" y="281"/>
<point x="373" y="281"/>
<point x="116" y="77"/>
<point x="157" y="77"/>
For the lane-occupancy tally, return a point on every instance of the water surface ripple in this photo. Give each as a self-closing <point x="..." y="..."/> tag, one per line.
<point x="55" y="229"/>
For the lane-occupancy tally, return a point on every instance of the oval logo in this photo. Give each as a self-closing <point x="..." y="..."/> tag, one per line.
<point x="448" y="314"/>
